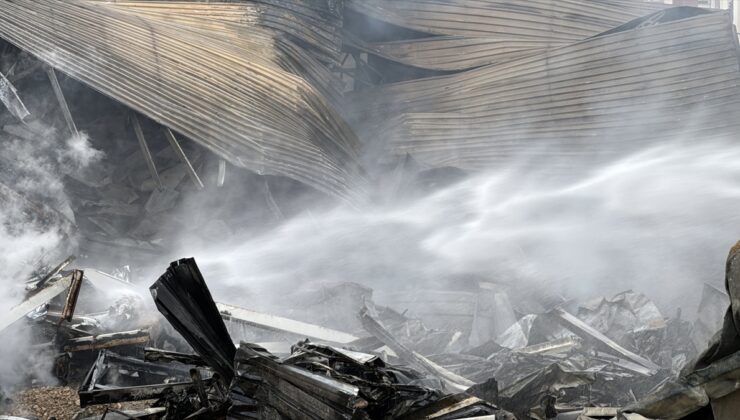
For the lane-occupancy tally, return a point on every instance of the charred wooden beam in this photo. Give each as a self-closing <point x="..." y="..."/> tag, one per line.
<point x="159" y="355"/>
<point x="74" y="292"/>
<point x="107" y="341"/>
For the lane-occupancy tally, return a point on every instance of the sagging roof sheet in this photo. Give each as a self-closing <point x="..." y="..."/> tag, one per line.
<point x="251" y="97"/>
<point x="316" y="23"/>
<point x="477" y="32"/>
<point x="640" y="84"/>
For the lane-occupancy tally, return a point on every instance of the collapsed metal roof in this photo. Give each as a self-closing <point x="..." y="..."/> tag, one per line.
<point x="667" y="77"/>
<point x="231" y="84"/>
<point x="472" y="33"/>
<point x="258" y="82"/>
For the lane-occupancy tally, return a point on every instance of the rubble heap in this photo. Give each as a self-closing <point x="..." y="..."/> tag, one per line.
<point x="595" y="361"/>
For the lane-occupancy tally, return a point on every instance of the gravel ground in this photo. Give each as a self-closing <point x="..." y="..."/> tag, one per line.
<point x="62" y="403"/>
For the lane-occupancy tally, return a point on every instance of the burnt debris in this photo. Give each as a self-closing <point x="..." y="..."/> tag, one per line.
<point x="594" y="364"/>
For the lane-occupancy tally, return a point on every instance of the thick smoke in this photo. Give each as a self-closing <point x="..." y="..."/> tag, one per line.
<point x="36" y="225"/>
<point x="659" y="221"/>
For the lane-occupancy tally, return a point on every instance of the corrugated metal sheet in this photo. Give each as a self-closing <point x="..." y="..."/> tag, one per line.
<point x="480" y="32"/>
<point x="317" y="24"/>
<point x="636" y="85"/>
<point x="247" y="95"/>
<point x="454" y="53"/>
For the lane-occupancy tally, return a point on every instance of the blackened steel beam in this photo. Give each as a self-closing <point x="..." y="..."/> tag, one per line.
<point x="182" y="296"/>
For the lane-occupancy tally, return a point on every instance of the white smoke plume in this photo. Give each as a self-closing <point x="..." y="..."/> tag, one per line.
<point x="36" y="224"/>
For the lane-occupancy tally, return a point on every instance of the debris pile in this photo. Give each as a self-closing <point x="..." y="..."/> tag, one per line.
<point x="599" y="358"/>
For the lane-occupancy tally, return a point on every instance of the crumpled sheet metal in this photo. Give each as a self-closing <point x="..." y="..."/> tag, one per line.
<point x="623" y="313"/>
<point x="715" y="374"/>
<point x="476" y="33"/>
<point x="226" y="87"/>
<point x="709" y="315"/>
<point x="583" y="100"/>
<point x="528" y="392"/>
<point x="182" y="296"/>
